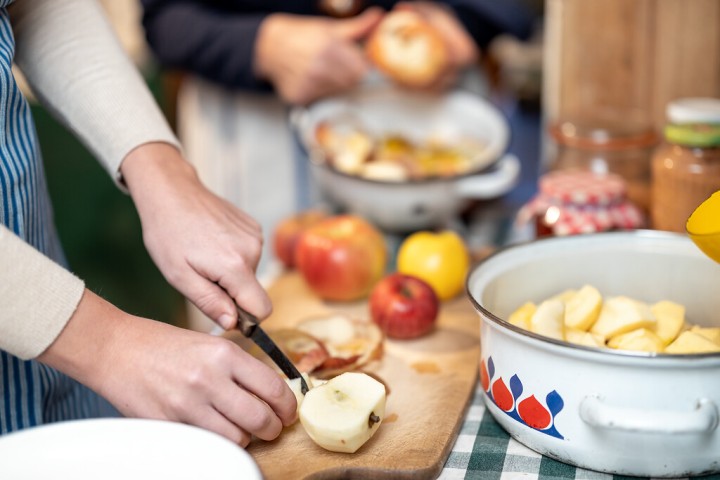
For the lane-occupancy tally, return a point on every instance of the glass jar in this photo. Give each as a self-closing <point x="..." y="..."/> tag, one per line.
<point x="572" y="202"/>
<point x="604" y="147"/>
<point x="686" y="167"/>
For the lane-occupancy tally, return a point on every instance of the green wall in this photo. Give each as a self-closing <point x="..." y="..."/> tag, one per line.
<point x="99" y="227"/>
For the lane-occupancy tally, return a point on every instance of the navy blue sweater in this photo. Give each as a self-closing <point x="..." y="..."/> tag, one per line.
<point x="216" y="38"/>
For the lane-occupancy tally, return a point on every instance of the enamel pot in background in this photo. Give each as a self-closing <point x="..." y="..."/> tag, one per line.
<point x="628" y="413"/>
<point x="416" y="204"/>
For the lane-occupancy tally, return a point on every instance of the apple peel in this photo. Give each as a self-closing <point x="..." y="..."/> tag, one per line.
<point x="350" y="343"/>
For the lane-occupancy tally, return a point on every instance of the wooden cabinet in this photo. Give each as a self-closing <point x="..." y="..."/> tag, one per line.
<point x="625" y="60"/>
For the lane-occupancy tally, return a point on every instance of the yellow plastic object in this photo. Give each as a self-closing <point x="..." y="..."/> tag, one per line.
<point x="703" y="226"/>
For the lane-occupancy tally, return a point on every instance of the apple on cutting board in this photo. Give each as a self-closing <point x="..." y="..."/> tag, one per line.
<point x="403" y="306"/>
<point x="343" y="413"/>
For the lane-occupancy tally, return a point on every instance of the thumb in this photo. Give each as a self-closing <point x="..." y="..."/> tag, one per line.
<point x="357" y="28"/>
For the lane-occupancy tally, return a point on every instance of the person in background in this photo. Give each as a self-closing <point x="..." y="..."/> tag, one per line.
<point x="62" y="347"/>
<point x="246" y="62"/>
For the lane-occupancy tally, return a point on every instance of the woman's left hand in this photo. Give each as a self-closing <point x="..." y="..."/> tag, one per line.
<point x="205" y="247"/>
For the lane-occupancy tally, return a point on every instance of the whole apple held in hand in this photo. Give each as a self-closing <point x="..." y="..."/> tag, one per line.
<point x="342" y="257"/>
<point x="288" y="231"/>
<point x="403" y="306"/>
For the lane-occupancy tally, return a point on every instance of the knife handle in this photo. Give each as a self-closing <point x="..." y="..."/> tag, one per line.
<point x="246" y="322"/>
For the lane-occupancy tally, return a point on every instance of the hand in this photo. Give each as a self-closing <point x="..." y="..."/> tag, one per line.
<point x="461" y="48"/>
<point x="204" y="246"/>
<point x="153" y="370"/>
<point x="307" y="58"/>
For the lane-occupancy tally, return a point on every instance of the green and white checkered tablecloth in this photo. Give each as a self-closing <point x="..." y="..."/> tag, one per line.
<point x="484" y="451"/>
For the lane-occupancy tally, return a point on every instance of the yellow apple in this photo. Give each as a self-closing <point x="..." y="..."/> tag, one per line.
<point x="440" y="259"/>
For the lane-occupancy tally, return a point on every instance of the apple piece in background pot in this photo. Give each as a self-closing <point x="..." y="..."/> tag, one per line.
<point x="670" y="318"/>
<point x="288" y="231"/>
<point x="692" y="342"/>
<point x="342" y="257"/>
<point x="580" y="337"/>
<point x="622" y="314"/>
<point x="711" y="333"/>
<point x="640" y="340"/>
<point x="582" y="308"/>
<point x="403" y="306"/>
<point x="548" y="319"/>
<point x="345" y="412"/>
<point x="521" y="317"/>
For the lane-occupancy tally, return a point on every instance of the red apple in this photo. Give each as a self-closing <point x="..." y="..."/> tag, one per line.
<point x="403" y="306"/>
<point x="288" y="232"/>
<point x="342" y="257"/>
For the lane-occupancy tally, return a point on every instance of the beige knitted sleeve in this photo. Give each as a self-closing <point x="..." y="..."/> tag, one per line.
<point x="78" y="70"/>
<point x="37" y="297"/>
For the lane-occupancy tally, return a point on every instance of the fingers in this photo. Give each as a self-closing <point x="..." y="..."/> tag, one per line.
<point x="210" y="419"/>
<point x="359" y="27"/>
<point x="247" y="414"/>
<point x="269" y="386"/>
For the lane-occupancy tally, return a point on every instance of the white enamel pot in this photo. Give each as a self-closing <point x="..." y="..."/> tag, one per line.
<point x="411" y="205"/>
<point x="628" y="413"/>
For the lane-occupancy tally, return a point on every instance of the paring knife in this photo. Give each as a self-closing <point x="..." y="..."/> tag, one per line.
<point x="250" y="327"/>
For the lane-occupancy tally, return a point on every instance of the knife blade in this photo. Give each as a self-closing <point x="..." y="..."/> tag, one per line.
<point x="249" y="325"/>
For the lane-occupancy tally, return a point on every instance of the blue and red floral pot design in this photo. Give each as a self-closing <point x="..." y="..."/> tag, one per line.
<point x="528" y="411"/>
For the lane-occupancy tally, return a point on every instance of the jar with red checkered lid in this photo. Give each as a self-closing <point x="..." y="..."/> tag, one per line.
<point x="571" y="202"/>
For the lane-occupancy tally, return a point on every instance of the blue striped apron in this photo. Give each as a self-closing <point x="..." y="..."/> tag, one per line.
<point x="30" y="393"/>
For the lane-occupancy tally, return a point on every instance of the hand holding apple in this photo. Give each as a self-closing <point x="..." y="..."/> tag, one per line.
<point x="403" y="306"/>
<point x="341" y="257"/>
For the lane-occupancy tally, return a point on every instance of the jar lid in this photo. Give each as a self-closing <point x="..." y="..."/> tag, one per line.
<point x="582" y="187"/>
<point x="694" y="110"/>
<point x="602" y="134"/>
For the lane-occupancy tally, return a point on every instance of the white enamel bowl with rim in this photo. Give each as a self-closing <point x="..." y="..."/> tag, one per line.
<point x="122" y="449"/>
<point x="414" y="204"/>
<point x="621" y="412"/>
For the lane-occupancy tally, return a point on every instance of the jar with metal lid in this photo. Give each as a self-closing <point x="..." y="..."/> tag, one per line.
<point x="686" y="167"/>
<point x="603" y="146"/>
<point x="572" y="202"/>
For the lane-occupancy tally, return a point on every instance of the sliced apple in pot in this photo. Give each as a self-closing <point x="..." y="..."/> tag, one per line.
<point x="345" y="412"/>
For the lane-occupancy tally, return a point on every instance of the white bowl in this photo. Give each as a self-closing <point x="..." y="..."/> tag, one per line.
<point x="628" y="413"/>
<point x="414" y="204"/>
<point x="122" y="449"/>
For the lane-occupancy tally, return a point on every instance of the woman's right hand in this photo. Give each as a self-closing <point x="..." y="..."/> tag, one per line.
<point x="149" y="369"/>
<point x="307" y="58"/>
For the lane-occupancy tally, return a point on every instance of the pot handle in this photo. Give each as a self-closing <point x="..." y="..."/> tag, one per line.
<point x="492" y="184"/>
<point x="595" y="412"/>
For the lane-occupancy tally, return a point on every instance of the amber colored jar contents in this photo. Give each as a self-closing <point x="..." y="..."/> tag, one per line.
<point x="602" y="147"/>
<point x="686" y="167"/>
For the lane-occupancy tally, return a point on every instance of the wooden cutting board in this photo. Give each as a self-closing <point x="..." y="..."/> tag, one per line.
<point x="431" y="380"/>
